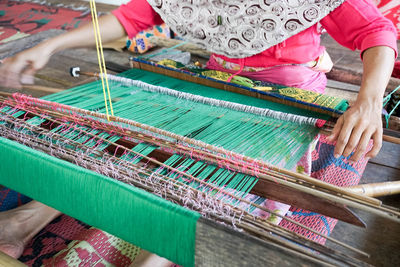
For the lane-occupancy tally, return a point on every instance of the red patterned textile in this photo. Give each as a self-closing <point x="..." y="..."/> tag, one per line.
<point x="19" y="19"/>
<point x="69" y="242"/>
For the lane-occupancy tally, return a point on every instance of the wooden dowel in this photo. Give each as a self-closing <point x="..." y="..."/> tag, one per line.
<point x="391" y="139"/>
<point x="353" y="77"/>
<point x="377" y="189"/>
<point x="187" y="47"/>
<point x="42" y="88"/>
<point x="6" y="260"/>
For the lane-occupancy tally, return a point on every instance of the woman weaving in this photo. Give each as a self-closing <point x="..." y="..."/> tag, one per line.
<point x="281" y="46"/>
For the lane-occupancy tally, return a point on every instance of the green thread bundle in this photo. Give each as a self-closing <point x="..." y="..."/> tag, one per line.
<point x="275" y="141"/>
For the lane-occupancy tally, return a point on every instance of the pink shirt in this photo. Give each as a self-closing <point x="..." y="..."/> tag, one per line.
<point x="356" y="24"/>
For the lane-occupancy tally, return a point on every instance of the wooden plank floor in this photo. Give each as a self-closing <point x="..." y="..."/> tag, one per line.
<point x="381" y="239"/>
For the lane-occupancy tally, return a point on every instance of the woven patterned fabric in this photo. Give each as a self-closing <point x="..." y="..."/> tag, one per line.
<point x="69" y="242"/>
<point x="19" y="19"/>
<point x="292" y="93"/>
<point x="141" y="44"/>
<point x="327" y="168"/>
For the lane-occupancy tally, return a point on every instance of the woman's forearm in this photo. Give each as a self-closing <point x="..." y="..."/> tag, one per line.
<point x="378" y="66"/>
<point x="110" y="29"/>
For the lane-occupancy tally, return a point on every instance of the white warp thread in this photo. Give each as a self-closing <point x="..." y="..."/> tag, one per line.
<point x="215" y="102"/>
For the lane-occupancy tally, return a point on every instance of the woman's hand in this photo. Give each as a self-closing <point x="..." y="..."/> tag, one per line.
<point x="363" y="120"/>
<point x="355" y="128"/>
<point x="22" y="67"/>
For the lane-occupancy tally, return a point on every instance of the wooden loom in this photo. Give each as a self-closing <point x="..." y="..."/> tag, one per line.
<point x="259" y="247"/>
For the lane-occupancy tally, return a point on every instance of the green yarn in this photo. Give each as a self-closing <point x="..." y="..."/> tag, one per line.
<point x="78" y="95"/>
<point x="244" y="133"/>
<point x="123" y="210"/>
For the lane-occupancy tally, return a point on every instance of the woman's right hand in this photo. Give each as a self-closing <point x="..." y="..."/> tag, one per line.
<point x="20" y="68"/>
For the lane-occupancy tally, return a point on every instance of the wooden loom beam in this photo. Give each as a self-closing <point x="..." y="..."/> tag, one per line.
<point x="337" y="73"/>
<point x="389" y="136"/>
<point x="227" y="87"/>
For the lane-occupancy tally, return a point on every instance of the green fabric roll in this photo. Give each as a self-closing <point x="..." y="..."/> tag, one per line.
<point x="130" y="213"/>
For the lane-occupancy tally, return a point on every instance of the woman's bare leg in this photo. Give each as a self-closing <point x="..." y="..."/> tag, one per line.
<point x="19" y="225"/>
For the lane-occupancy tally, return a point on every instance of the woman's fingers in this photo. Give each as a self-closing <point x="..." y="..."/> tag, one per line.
<point x="377" y="137"/>
<point x="21" y="68"/>
<point x="10" y="72"/>
<point x="336" y="130"/>
<point x="361" y="128"/>
<point x="352" y="133"/>
<point x="361" y="146"/>
<point x="27" y="76"/>
<point x="344" y="135"/>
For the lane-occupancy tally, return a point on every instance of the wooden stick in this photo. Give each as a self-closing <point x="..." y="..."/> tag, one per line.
<point x="376" y="189"/>
<point x="42" y="88"/>
<point x="6" y="260"/>
<point x="391" y="139"/>
<point x="349" y="76"/>
<point x="188" y="47"/>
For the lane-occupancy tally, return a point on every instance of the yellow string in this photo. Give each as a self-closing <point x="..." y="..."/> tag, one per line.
<point x="100" y="58"/>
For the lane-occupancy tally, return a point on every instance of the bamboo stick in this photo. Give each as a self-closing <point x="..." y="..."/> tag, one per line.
<point x="42" y="88"/>
<point x="377" y="189"/>
<point x="6" y="260"/>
